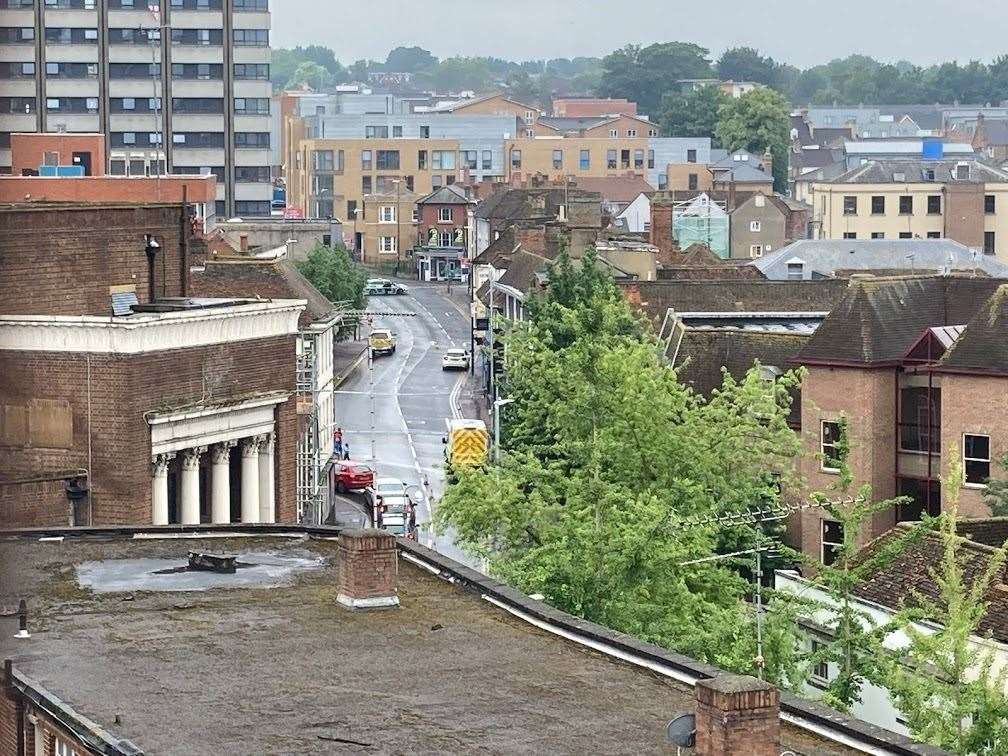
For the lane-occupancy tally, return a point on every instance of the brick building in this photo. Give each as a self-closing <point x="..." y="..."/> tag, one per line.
<point x="125" y="399"/>
<point x="442" y="234"/>
<point x="918" y="369"/>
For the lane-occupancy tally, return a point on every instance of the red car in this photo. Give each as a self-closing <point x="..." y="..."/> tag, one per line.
<point x="351" y="476"/>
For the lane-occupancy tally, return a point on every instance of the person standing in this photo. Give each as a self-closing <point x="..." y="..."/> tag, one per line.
<point x="337" y="437"/>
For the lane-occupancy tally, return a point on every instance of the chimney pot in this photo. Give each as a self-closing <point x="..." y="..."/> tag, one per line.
<point x="368" y="569"/>
<point x="737" y="714"/>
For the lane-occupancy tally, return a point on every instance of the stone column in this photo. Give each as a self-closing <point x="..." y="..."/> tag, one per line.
<point x="190" y="485"/>
<point x="267" y="509"/>
<point x="220" y="481"/>
<point x="250" y="478"/>
<point x="159" y="488"/>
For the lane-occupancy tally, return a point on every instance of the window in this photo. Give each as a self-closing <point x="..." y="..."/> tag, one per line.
<point x="832" y="541"/>
<point x="252" y="139"/>
<point x="425" y="132"/>
<point x="988" y="242"/>
<point x="257" y="174"/>
<point x="445" y="239"/>
<point x="198" y="37"/>
<point x="444" y="215"/>
<point x="436" y="181"/>
<point x="321" y="185"/>
<point x="117" y="167"/>
<point x="906" y="204"/>
<point x="989" y="204"/>
<point x="584" y="160"/>
<point x="443" y="159"/>
<point x="251" y="5"/>
<point x="558" y="159"/>
<point x="755" y="250"/>
<point x="258" y="208"/>
<point x="351" y="209"/>
<point x="530" y="133"/>
<point x="920" y="428"/>
<point x="850" y="235"/>
<point x="613" y="133"/>
<point x="820" y="671"/>
<point x="662" y="182"/>
<point x="409" y="183"/>
<point x="934" y="204"/>
<point x="795" y="271"/>
<point x="470" y="159"/>
<point x="850" y="205"/>
<point x="198" y="71"/>
<point x="652" y="132"/>
<point x="905" y="235"/>
<point x="878" y="205"/>
<point x="376" y="132"/>
<point x="62" y="748"/>
<point x="516" y="158"/>
<point x="829" y="445"/>
<point x="258" y="71"/>
<point x="250" y="37"/>
<point x="692" y="182"/>
<point x="396" y="131"/>
<point x="322" y="160"/>
<point x="976" y="459"/>
<point x="416" y="215"/>
<point x="934" y="234"/>
<point x="650" y="159"/>
<point x="625" y="158"/>
<point x="387" y="160"/>
<point x="366" y="185"/>
<point x="631" y="132"/>
<point x="365" y="158"/>
<point x="529" y="116"/>
<point x="251" y="105"/>
<point x="387" y="214"/>
<point x="387" y="244"/>
<point x="18" y="34"/>
<point x="386" y="184"/>
<point x="202" y="104"/>
<point x="690" y="156"/>
<point x="611" y="159"/>
<point x="755" y="226"/>
<point x="638" y="158"/>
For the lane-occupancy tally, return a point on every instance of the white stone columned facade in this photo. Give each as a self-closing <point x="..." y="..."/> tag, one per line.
<point x="191" y="433"/>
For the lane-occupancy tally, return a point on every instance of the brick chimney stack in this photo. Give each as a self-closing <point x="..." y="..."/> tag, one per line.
<point x="368" y="569"/>
<point x="661" y="226"/>
<point x="737" y="714"/>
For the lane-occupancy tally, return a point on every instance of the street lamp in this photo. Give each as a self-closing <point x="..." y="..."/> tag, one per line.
<point x="498" y="403"/>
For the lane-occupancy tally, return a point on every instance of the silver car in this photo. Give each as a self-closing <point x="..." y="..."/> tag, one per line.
<point x="455" y="359"/>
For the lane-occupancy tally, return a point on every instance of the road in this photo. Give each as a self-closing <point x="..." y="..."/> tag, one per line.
<point x="393" y="411"/>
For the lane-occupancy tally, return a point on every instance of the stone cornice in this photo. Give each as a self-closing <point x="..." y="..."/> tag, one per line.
<point x="150" y="332"/>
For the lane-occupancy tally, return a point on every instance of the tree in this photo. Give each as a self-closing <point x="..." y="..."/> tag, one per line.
<point x="856" y="640"/>
<point x="996" y="495"/>
<point x="693" y="114"/>
<point x="756" y="121"/>
<point x="746" y="64"/>
<point x="333" y="273"/>
<point x="642" y="74"/>
<point x="310" y="74"/>
<point x="944" y="683"/>
<point x="286" y="62"/>
<point x="603" y="447"/>
<point x="410" y="59"/>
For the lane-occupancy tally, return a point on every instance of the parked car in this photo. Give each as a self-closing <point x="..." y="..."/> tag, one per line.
<point x="352" y="476"/>
<point x="390" y="491"/>
<point x="381" y="341"/>
<point x="455" y="359"/>
<point x="381" y="286"/>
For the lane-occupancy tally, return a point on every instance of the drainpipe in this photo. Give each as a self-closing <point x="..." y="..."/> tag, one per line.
<point x="184" y="243"/>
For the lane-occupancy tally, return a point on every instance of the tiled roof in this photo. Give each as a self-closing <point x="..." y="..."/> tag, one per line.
<point x="895" y="585"/>
<point x="269" y="279"/>
<point x="521" y="273"/>
<point x="499" y="251"/>
<point x="915" y="171"/>
<point x="448" y="194"/>
<point x="533" y="203"/>
<point x="878" y="320"/>
<point x="983" y="346"/>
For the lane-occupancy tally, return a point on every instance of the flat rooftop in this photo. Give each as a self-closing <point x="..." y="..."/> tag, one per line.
<point x="270" y="661"/>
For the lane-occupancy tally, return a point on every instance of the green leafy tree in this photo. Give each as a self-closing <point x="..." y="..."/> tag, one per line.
<point x="604" y="446"/>
<point x="411" y="59"/>
<point x="946" y="685"/>
<point x="756" y="121"/>
<point x="746" y="64"/>
<point x="335" y="274"/>
<point x="643" y="74"/>
<point x="692" y="114"/>
<point x="855" y="645"/>
<point x="310" y="74"/>
<point x="286" y="62"/>
<point x="996" y="495"/>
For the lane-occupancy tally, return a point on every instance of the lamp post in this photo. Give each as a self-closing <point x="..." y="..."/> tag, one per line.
<point x="498" y="403"/>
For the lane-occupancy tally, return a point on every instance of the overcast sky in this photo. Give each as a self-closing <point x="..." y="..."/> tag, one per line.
<point x="802" y="32"/>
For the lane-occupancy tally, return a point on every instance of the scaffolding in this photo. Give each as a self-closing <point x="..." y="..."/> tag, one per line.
<point x="701" y="220"/>
<point x="309" y="491"/>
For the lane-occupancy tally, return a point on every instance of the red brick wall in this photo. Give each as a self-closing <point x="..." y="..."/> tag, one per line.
<point x="661" y="227"/>
<point x="531" y="239"/>
<point x="736" y="715"/>
<point x="867" y="399"/>
<point x="123" y="388"/>
<point x="62" y="261"/>
<point x="8" y="723"/>
<point x="964" y="213"/>
<point x="108" y="189"/>
<point x="27" y="150"/>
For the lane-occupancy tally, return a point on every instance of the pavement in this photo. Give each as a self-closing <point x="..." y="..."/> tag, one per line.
<point x="393" y="409"/>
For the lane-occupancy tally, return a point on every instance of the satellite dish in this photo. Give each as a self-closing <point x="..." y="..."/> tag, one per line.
<point x="681" y="731"/>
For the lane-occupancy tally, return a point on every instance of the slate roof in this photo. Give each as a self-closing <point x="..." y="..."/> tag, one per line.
<point x="913" y="170"/>
<point x="877" y="320"/>
<point x="727" y="295"/>
<point x="499" y="251"/>
<point x="995" y="131"/>
<point x="827" y="257"/>
<point x="531" y="203"/>
<point x="448" y="194"/>
<point x="523" y="270"/>
<point x="573" y="124"/>
<point x="893" y="585"/>
<point x="983" y="346"/>
<point x="268" y="279"/>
